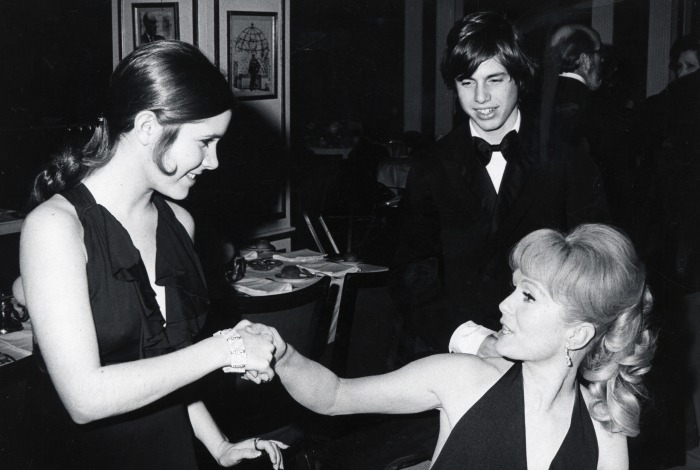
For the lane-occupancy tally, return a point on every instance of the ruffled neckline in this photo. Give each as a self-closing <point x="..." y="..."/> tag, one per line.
<point x="177" y="269"/>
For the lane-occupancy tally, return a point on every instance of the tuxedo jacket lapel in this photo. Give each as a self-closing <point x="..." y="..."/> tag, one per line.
<point x="521" y="182"/>
<point x="470" y="180"/>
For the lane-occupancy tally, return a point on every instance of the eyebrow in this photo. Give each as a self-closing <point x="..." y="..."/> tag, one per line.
<point x="493" y="75"/>
<point x="531" y="285"/>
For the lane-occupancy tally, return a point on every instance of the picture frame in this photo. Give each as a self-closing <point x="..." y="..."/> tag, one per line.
<point x="174" y="20"/>
<point x="252" y="53"/>
<point x="154" y="21"/>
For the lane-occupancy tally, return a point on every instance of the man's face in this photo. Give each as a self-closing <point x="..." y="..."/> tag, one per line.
<point x="490" y="98"/>
<point x="593" y="73"/>
<point x="687" y="63"/>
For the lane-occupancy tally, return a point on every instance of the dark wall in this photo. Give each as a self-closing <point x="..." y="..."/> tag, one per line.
<point x="347" y="63"/>
<point x="56" y="58"/>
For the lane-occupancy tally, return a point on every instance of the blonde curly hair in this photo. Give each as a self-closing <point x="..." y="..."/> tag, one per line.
<point x="595" y="272"/>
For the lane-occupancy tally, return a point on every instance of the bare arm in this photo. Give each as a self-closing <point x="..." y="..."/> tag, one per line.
<point x="612" y="449"/>
<point x="224" y="452"/>
<point x="52" y="264"/>
<point x="411" y="389"/>
<point x="444" y="381"/>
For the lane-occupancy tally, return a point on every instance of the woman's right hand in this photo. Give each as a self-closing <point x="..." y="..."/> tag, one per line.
<point x="259" y="348"/>
<point x="280" y="344"/>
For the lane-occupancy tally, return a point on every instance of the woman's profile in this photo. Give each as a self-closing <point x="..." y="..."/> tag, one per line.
<point x="114" y="287"/>
<point x="575" y="344"/>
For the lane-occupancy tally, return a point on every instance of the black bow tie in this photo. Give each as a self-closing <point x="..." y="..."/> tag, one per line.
<point x="484" y="150"/>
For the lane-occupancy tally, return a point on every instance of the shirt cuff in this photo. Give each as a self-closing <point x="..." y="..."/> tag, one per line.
<point x="468" y="337"/>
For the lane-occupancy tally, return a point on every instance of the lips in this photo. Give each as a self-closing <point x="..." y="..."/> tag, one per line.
<point x="485" y="113"/>
<point x="505" y="331"/>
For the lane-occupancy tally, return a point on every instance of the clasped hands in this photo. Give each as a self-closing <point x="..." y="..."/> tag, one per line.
<point x="263" y="346"/>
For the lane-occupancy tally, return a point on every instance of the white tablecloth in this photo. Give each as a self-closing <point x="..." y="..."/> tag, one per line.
<point x="337" y="271"/>
<point x="19" y="343"/>
<point x="320" y="151"/>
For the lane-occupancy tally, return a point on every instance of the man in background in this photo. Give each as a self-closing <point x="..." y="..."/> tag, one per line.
<point x="575" y="52"/>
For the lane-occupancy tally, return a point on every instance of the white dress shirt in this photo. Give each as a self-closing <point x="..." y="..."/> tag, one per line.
<point x="497" y="165"/>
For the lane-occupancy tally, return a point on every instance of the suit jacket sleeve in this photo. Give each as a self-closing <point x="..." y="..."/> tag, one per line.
<point x="419" y="237"/>
<point x="586" y="199"/>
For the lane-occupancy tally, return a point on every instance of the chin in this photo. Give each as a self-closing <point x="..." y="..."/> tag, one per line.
<point x="177" y="194"/>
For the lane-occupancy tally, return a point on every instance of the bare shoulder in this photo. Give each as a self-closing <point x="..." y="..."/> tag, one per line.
<point x="184" y="217"/>
<point x="463" y="372"/>
<point x="52" y="219"/>
<point x="612" y="446"/>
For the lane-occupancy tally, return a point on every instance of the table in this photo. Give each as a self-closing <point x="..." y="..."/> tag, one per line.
<point x="267" y="283"/>
<point x="392" y="172"/>
<point x="18" y="344"/>
<point x="320" y="151"/>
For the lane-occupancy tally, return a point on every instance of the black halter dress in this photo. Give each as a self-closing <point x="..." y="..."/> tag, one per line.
<point x="491" y="435"/>
<point x="129" y="326"/>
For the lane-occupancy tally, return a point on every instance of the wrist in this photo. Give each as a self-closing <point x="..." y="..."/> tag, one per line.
<point x="221" y="451"/>
<point x="282" y="354"/>
<point x="237" y="357"/>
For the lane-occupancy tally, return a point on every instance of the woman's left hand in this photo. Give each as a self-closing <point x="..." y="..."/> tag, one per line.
<point x="231" y="454"/>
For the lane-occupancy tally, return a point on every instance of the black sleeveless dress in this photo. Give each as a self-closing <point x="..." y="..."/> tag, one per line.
<point x="491" y="435"/>
<point x="129" y="326"/>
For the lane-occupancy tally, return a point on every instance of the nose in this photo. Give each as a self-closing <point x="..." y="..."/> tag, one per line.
<point x="211" y="162"/>
<point x="506" y="303"/>
<point x="481" y="94"/>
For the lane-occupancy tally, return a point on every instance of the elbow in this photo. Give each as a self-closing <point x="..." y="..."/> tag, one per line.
<point x="83" y="414"/>
<point x="84" y="410"/>
<point x="80" y="419"/>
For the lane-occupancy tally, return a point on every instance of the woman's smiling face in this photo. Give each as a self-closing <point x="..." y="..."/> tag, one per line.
<point x="533" y="323"/>
<point x="193" y="151"/>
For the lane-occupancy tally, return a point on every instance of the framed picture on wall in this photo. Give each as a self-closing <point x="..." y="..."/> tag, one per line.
<point x="137" y="23"/>
<point x="252" y="54"/>
<point x="154" y="21"/>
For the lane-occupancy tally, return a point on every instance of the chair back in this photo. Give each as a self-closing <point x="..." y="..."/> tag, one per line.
<point x="368" y="326"/>
<point x="302" y="317"/>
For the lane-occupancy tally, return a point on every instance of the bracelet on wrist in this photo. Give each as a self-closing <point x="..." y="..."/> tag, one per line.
<point x="237" y="348"/>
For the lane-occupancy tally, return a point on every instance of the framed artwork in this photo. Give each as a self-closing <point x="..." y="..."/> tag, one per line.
<point x="137" y="23"/>
<point x="252" y="54"/>
<point x="154" y="21"/>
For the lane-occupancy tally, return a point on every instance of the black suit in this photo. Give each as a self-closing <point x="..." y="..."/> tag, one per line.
<point x="571" y="110"/>
<point x="453" y="222"/>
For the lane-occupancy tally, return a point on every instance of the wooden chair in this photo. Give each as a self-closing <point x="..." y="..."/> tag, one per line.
<point x="365" y="344"/>
<point x="366" y="337"/>
<point x="244" y="409"/>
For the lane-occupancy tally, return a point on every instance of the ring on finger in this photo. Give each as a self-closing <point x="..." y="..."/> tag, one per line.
<point x="255" y="443"/>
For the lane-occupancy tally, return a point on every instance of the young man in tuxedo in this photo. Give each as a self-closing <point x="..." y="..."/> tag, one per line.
<point x="482" y="187"/>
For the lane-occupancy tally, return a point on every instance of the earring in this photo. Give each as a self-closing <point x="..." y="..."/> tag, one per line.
<point x="568" y="358"/>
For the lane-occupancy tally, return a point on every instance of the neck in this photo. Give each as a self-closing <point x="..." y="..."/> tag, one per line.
<point x="548" y="385"/>
<point x="120" y="186"/>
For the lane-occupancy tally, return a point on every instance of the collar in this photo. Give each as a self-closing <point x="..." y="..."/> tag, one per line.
<point x="476" y="132"/>
<point x="573" y="75"/>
